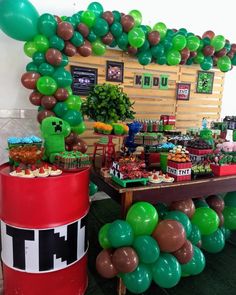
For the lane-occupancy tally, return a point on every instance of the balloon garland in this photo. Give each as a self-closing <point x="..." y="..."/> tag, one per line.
<point x="163" y="243"/>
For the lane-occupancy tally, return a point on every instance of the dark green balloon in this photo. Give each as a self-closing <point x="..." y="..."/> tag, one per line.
<point x="77" y="39"/>
<point x="230" y="199"/>
<point x="182" y="218"/>
<point x="190" y="61"/>
<point x="213" y="243"/>
<point x="72" y="21"/>
<point x="170" y="33"/>
<point x="73" y="117"/>
<point x="46" y="69"/>
<point x="145" y="46"/>
<point x="145" y="57"/>
<point x="62" y="77"/>
<point x="117" y="15"/>
<point x="122" y="41"/>
<point x="116" y="29"/>
<point x="93" y="189"/>
<point x="31" y="67"/>
<point x="162" y="209"/>
<point x="206" y="41"/>
<point x="147" y="249"/>
<point x="195" y="235"/>
<point x="207" y="64"/>
<point x="77" y="18"/>
<point x="38" y="58"/>
<point x="227" y="46"/>
<point x="64" y="61"/>
<point x="200" y="203"/>
<point x="157" y="50"/>
<point x="56" y="42"/>
<point x="196" y="265"/>
<point x="167" y="44"/>
<point x="226" y="232"/>
<point x="201" y="45"/>
<point x="120" y="234"/>
<point x="183" y="31"/>
<point x="199" y="58"/>
<point x="100" y="27"/>
<point x="60" y="109"/>
<point x="145" y="29"/>
<point x="47" y="25"/>
<point x="161" y="60"/>
<point x="96" y="7"/>
<point x="91" y="36"/>
<point x="229" y="214"/>
<point x="113" y="44"/>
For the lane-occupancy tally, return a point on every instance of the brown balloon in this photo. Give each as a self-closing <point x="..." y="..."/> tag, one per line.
<point x="58" y="19"/>
<point x="233" y="48"/>
<point x="69" y="49"/>
<point x="183" y="61"/>
<point x="127" y="22"/>
<point x="35" y="98"/>
<point x="222" y="219"/>
<point x="65" y="30"/>
<point x="174" y="30"/>
<point x="170" y="235"/>
<point x="185" y="253"/>
<point x="71" y="139"/>
<point x="80" y="146"/>
<point x="61" y="94"/>
<point x="193" y="54"/>
<point x="44" y="114"/>
<point x="83" y="29"/>
<point x="216" y="203"/>
<point x="86" y="49"/>
<point x="154" y="37"/>
<point x="215" y="59"/>
<point x="230" y="54"/>
<point x="199" y="244"/>
<point x="132" y="50"/>
<point x="48" y="102"/>
<point x="208" y="34"/>
<point x="208" y="50"/>
<point x="108" y="16"/>
<point x="104" y="264"/>
<point x="221" y="53"/>
<point x="125" y="259"/>
<point x="108" y="38"/>
<point x="185" y="206"/>
<point x="53" y="56"/>
<point x="185" y="53"/>
<point x="29" y="79"/>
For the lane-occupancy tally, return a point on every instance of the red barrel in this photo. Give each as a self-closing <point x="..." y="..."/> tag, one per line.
<point x="43" y="229"/>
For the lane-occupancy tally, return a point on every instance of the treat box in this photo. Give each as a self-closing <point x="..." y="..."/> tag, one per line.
<point x="199" y="152"/>
<point x="223" y="170"/>
<point x="168" y="120"/>
<point x="180" y="171"/>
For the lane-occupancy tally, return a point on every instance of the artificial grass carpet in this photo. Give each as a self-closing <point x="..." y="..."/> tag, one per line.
<point x="218" y="278"/>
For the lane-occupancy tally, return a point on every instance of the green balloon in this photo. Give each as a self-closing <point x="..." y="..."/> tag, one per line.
<point x="229" y="214"/>
<point x="196" y="265"/>
<point x="74" y="102"/>
<point x="70" y="92"/>
<point x="136" y="37"/>
<point x="77" y="39"/>
<point x="63" y="18"/>
<point x="73" y="117"/>
<point x="189" y="61"/>
<point x="39" y="58"/>
<point x="224" y="63"/>
<point x="207" y="64"/>
<point x="157" y="50"/>
<point x="46" y="85"/>
<point x="145" y="29"/>
<point x="162" y="209"/>
<point x="206" y="219"/>
<point x="143" y="218"/>
<point x="161" y="28"/>
<point x="18" y="19"/>
<point x="93" y="189"/>
<point x="96" y="7"/>
<point x="227" y="47"/>
<point x="201" y="45"/>
<point x="47" y="25"/>
<point x="88" y="18"/>
<point x="72" y="21"/>
<point x="41" y="43"/>
<point x="200" y="203"/>
<point x="213" y="243"/>
<point x="117" y="15"/>
<point x="77" y="18"/>
<point x="120" y="234"/>
<point x="116" y="29"/>
<point x="167" y="43"/>
<point x="193" y="43"/>
<point x="30" y="48"/>
<point x="145" y="46"/>
<point x="123" y="41"/>
<point x="137" y="16"/>
<point x="60" y="109"/>
<point x="100" y="27"/>
<point x="230" y="199"/>
<point x="62" y="77"/>
<point x="46" y="69"/>
<point x="102" y="236"/>
<point x="79" y="129"/>
<point x="182" y="218"/>
<point x="98" y="47"/>
<point x="166" y="271"/>
<point x="199" y="58"/>
<point x="92" y="36"/>
<point x="31" y="67"/>
<point x="139" y="280"/>
<point x="170" y="33"/>
<point x="218" y="42"/>
<point x="113" y="44"/>
<point x="64" y="61"/>
<point x="56" y="42"/>
<point x="173" y="57"/>
<point x="145" y="57"/>
<point x="195" y="235"/>
<point x="226" y="232"/>
<point x="179" y="42"/>
<point x="206" y="41"/>
<point x="190" y="34"/>
<point x="183" y="31"/>
<point x="161" y="60"/>
<point x="233" y="60"/>
<point x="147" y="249"/>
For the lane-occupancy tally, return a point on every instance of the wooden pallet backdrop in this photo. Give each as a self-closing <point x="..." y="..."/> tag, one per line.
<point x="151" y="103"/>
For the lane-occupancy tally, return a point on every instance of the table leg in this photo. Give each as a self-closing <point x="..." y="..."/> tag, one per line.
<point x="126" y="202"/>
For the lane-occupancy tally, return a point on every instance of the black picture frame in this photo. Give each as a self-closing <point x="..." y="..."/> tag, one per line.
<point x="114" y="71"/>
<point x="183" y="91"/>
<point x="84" y="79"/>
<point x="205" y="81"/>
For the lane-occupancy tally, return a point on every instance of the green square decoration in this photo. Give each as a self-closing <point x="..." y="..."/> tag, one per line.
<point x="205" y="82"/>
<point x="164" y="82"/>
<point x="147" y="81"/>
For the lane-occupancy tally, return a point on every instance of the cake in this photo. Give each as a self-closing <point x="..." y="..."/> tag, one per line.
<point x="72" y="160"/>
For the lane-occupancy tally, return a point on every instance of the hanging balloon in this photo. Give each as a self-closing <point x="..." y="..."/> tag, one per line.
<point x="41" y="43"/>
<point x="31" y="67"/>
<point x="46" y="69"/>
<point x="144" y="47"/>
<point x="60" y="109"/>
<point x="83" y="30"/>
<point x="86" y="49"/>
<point x="38" y="58"/>
<point x="179" y="42"/>
<point x="224" y="63"/>
<point x="96" y="7"/>
<point x="161" y="60"/>
<point x="122" y="41"/>
<point x="154" y="37"/>
<point x="173" y="57"/>
<point x="207" y="64"/>
<point x="53" y="56"/>
<point x="62" y="77"/>
<point x="46" y="85"/>
<point x="185" y="53"/>
<point x="137" y="16"/>
<point x="61" y="94"/>
<point x="100" y="27"/>
<point x="47" y="25"/>
<point x="208" y="34"/>
<point x="48" y="102"/>
<point x="193" y="43"/>
<point x="183" y="32"/>
<point x="136" y="37"/>
<point x="218" y="42"/>
<point x="29" y="80"/>
<point x="117" y="15"/>
<point x="88" y="18"/>
<point x="65" y="30"/>
<point x="18" y="19"/>
<point x="208" y="50"/>
<point x="157" y="50"/>
<point x="108" y="39"/>
<point x="199" y="58"/>
<point x="116" y="29"/>
<point x="109" y="17"/>
<point x="125" y="259"/>
<point x="56" y="42"/>
<point x="161" y="28"/>
<point x="104" y="264"/>
<point x="98" y="48"/>
<point x="30" y="48"/>
<point x="145" y="57"/>
<point x="127" y="22"/>
<point x="91" y="36"/>
<point x="35" y="98"/>
<point x="79" y="129"/>
<point x="69" y="49"/>
<point x="44" y="114"/>
<point x="77" y="39"/>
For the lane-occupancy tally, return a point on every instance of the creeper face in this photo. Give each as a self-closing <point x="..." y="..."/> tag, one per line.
<point x="54" y="126"/>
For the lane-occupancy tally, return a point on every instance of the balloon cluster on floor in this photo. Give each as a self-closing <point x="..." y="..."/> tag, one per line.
<point x="162" y="243"/>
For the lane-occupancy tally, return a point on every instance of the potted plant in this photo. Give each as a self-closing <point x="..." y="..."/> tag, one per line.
<point x="108" y="103"/>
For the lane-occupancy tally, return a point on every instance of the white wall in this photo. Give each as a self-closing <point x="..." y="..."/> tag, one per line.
<point x="196" y="16"/>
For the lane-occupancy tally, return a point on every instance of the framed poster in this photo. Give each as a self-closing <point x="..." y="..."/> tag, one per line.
<point x="115" y="71"/>
<point x="205" y="82"/>
<point x="183" y="91"/>
<point x="83" y="79"/>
